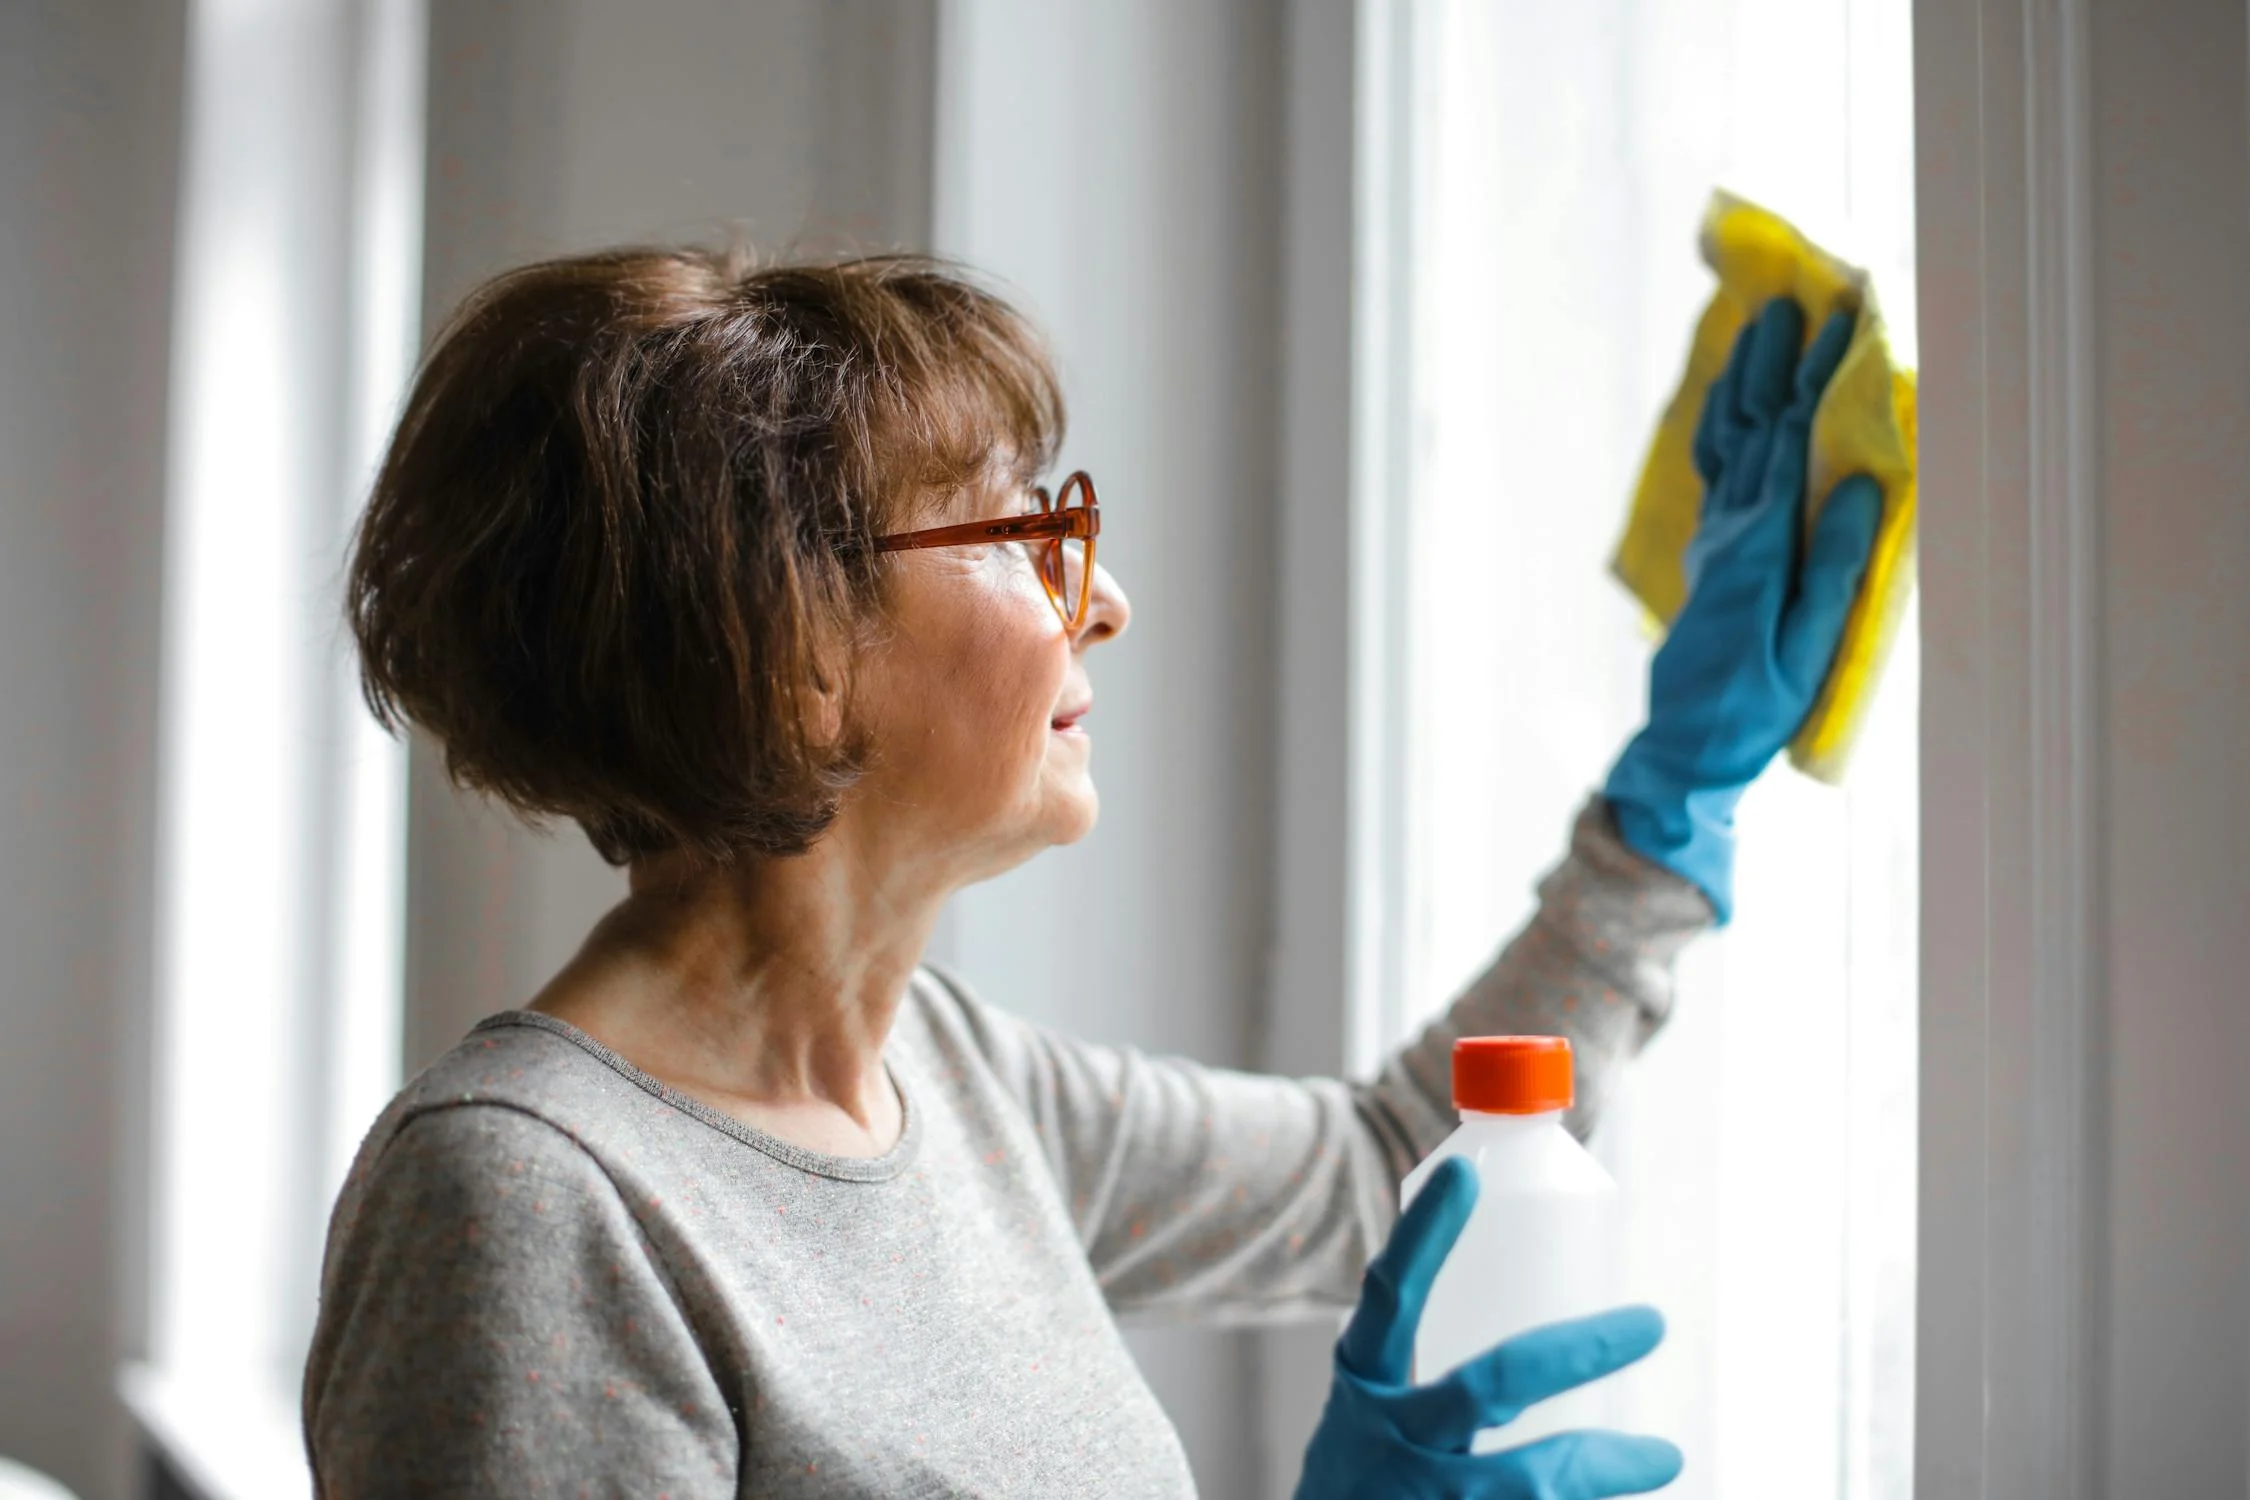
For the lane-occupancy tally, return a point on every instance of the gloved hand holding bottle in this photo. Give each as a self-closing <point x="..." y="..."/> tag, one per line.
<point x="1766" y="607"/>
<point x="1382" y="1436"/>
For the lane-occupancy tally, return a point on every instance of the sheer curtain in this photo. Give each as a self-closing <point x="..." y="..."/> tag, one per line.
<point x="1554" y="163"/>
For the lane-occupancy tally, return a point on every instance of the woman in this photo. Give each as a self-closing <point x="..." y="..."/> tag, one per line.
<point x="743" y="570"/>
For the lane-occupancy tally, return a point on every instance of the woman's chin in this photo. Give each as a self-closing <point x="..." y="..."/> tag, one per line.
<point x="1072" y="811"/>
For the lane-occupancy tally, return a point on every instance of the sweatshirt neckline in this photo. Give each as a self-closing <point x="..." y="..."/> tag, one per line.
<point x="840" y="1168"/>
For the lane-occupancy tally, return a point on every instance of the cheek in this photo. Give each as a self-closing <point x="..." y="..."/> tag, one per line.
<point x="1001" y="689"/>
<point x="970" y="682"/>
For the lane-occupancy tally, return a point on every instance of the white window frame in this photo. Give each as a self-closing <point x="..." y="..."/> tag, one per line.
<point x="2011" y="959"/>
<point x="2006" y="1374"/>
<point x="1556" y="166"/>
<point x="281" y="852"/>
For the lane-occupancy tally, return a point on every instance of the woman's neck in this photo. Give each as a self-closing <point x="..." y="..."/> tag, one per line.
<point x="765" y="989"/>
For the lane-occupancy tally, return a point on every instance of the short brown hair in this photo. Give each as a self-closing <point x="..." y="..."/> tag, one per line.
<point x="620" y="541"/>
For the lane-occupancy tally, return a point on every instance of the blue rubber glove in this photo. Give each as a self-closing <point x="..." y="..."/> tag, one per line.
<point x="1381" y="1436"/>
<point x="1739" y="670"/>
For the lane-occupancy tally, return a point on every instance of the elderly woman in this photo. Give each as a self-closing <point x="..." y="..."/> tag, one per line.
<point x="744" y="571"/>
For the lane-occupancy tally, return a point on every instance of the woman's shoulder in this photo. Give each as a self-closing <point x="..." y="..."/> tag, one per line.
<point x="984" y="1049"/>
<point x="525" y="1062"/>
<point x="944" y="1018"/>
<point x="482" y="1196"/>
<point x="519" y="1086"/>
<point x="507" y="1092"/>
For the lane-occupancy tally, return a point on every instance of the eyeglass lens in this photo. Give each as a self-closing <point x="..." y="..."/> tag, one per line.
<point x="1064" y="563"/>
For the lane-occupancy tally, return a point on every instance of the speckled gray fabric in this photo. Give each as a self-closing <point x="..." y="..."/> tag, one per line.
<point x="549" y="1275"/>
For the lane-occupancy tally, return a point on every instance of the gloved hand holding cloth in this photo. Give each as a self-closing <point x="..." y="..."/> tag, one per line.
<point x="1765" y="610"/>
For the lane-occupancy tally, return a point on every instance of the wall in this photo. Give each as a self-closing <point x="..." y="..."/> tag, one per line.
<point x="1119" y="165"/>
<point x="2084" y="210"/>
<point x="89" y="111"/>
<point x="2170" y="104"/>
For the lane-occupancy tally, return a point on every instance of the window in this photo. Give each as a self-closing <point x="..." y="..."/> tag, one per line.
<point x="1547" y="169"/>
<point x="281" y="851"/>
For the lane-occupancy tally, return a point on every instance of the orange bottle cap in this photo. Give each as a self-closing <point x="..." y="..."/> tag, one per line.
<point x="1512" y="1075"/>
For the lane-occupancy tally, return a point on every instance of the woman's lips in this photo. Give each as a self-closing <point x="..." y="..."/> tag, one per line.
<point x="1068" y="719"/>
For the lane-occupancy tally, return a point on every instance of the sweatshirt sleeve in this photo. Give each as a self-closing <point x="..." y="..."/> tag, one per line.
<point x="492" y="1322"/>
<point x="1207" y="1194"/>
<point x="1595" y="964"/>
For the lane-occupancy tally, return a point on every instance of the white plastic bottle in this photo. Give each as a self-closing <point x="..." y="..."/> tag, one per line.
<point x="1541" y="1244"/>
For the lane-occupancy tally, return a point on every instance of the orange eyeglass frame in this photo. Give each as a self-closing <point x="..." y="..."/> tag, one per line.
<point x="1059" y="519"/>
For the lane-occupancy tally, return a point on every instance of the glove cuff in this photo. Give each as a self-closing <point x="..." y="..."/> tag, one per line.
<point x="1690" y="833"/>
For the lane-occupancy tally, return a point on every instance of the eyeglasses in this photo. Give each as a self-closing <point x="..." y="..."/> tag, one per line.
<point x="1060" y="535"/>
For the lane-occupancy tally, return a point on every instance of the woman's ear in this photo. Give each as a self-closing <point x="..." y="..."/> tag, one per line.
<point x="831" y="712"/>
<point x="825" y="714"/>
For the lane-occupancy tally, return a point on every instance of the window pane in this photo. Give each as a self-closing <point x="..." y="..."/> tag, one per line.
<point x="1558" y="161"/>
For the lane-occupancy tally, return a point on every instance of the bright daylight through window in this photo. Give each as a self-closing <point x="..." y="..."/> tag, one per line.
<point x="1547" y="170"/>
<point x="283" y="851"/>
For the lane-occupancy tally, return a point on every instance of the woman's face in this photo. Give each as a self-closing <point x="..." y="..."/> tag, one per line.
<point x="974" y="705"/>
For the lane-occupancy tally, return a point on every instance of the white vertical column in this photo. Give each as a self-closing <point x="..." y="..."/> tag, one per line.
<point x="2169" y="401"/>
<point x="282" y="810"/>
<point x="254" y="432"/>
<point x="367" y="922"/>
<point x="1320" y="1015"/>
<point x="2007" y="1316"/>
<point x="2085" y="214"/>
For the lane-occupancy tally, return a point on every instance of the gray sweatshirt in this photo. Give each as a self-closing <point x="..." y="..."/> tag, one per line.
<point x="551" y="1275"/>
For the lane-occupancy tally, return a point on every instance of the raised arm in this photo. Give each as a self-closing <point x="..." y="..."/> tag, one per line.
<point x="1652" y="860"/>
<point x="1594" y="965"/>
<point x="1216" y="1195"/>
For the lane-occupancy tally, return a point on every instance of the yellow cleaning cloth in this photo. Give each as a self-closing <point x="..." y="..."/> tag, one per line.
<point x="1865" y="425"/>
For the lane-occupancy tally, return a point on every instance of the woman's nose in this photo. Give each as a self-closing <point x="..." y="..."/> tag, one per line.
<point x="1108" y="612"/>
